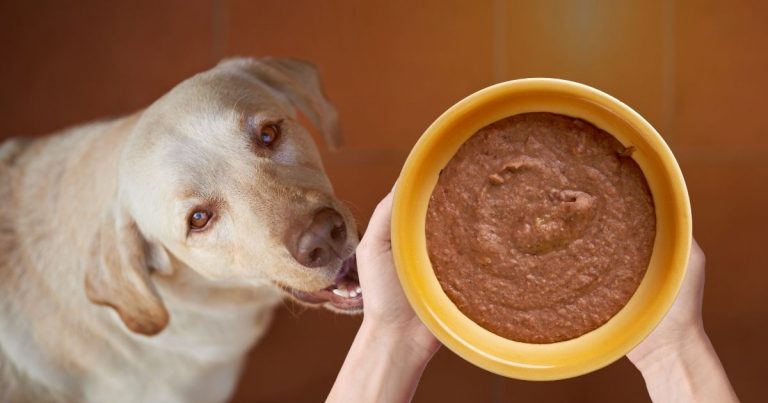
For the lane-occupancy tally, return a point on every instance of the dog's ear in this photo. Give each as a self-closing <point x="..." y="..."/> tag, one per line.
<point x="117" y="275"/>
<point x="300" y="82"/>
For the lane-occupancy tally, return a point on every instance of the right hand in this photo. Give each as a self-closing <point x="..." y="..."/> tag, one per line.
<point x="683" y="320"/>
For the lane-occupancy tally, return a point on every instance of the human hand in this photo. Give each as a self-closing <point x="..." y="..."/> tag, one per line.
<point x="385" y="307"/>
<point x="677" y="360"/>
<point x="683" y="321"/>
<point x="392" y="346"/>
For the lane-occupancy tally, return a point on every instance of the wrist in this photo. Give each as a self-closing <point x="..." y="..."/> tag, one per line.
<point x="687" y="370"/>
<point x="383" y="364"/>
<point x="691" y="339"/>
<point x="411" y="341"/>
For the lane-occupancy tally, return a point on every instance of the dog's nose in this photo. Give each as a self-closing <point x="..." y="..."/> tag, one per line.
<point x="322" y="240"/>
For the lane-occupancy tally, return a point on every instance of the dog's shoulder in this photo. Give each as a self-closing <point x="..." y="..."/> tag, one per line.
<point x="9" y="152"/>
<point x="12" y="383"/>
<point x="17" y="387"/>
<point x="12" y="147"/>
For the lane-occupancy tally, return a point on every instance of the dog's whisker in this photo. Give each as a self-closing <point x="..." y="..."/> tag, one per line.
<point x="293" y="308"/>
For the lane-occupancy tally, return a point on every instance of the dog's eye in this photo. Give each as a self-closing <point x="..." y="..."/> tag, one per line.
<point x="269" y="134"/>
<point x="199" y="219"/>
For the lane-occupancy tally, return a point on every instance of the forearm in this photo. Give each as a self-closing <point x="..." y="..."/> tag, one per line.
<point x="379" y="367"/>
<point x="688" y="372"/>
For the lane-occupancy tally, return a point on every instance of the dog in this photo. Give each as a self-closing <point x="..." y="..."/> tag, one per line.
<point x="142" y="257"/>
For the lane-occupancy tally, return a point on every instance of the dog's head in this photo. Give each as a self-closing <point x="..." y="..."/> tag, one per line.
<point x="219" y="176"/>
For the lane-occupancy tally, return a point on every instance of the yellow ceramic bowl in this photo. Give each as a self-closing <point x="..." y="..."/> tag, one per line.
<point x="632" y="323"/>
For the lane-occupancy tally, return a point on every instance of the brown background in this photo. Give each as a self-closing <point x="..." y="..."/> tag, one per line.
<point x="698" y="70"/>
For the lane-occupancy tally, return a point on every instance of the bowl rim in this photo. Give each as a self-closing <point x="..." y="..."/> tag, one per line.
<point x="492" y="352"/>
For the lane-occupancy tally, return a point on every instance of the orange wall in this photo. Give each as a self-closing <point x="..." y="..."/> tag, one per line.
<point x="698" y="70"/>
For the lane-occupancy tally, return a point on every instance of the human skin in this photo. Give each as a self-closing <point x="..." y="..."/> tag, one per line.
<point x="392" y="346"/>
<point x="677" y="360"/>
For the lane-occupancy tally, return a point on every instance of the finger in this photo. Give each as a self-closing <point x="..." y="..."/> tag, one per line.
<point x="378" y="233"/>
<point x="697" y="258"/>
<point x="696" y="269"/>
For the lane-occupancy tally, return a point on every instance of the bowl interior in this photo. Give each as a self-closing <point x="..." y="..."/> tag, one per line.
<point x="632" y="323"/>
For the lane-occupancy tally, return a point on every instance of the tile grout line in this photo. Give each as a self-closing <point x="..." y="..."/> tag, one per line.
<point x="497" y="388"/>
<point x="499" y="72"/>
<point x="219" y="29"/>
<point x="499" y="40"/>
<point x="669" y="82"/>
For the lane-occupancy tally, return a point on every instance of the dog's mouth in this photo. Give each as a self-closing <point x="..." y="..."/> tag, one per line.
<point x="343" y="295"/>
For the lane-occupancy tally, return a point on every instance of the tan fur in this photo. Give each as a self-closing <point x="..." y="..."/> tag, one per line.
<point x="105" y="296"/>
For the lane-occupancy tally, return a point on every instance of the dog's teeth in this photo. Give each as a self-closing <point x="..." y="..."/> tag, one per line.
<point x="358" y="290"/>
<point x="352" y="294"/>
<point x="342" y="292"/>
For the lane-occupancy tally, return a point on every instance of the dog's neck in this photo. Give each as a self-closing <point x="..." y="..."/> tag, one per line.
<point x="224" y="317"/>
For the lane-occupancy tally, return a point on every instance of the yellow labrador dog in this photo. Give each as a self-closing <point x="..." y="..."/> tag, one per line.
<point x="142" y="257"/>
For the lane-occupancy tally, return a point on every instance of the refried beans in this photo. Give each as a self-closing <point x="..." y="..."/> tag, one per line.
<point x="541" y="227"/>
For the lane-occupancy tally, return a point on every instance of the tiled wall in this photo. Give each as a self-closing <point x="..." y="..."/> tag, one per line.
<point x="698" y="70"/>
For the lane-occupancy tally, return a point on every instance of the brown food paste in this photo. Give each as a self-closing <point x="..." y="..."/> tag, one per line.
<point x="541" y="227"/>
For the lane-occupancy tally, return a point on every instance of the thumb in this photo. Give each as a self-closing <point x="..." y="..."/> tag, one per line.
<point x="377" y="236"/>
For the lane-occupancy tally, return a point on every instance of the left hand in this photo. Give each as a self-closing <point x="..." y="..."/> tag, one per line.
<point x="385" y="306"/>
